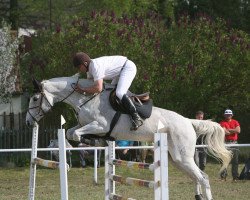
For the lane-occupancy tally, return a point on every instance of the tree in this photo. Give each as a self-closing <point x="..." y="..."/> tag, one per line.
<point x="235" y="12"/>
<point x="195" y="63"/>
<point x="206" y="67"/>
<point x="8" y="52"/>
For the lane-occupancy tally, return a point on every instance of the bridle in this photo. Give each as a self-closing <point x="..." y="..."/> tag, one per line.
<point x="42" y="112"/>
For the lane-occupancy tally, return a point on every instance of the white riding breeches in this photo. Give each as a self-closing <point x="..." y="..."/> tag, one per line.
<point x="126" y="78"/>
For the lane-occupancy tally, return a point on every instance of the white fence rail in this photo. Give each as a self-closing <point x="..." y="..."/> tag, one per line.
<point x="102" y="148"/>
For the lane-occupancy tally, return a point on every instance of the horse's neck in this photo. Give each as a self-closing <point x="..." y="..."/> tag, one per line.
<point x="61" y="89"/>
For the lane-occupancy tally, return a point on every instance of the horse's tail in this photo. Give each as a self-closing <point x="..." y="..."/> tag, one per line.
<point x="214" y="136"/>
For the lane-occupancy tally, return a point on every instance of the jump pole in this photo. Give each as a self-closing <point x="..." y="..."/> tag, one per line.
<point x="160" y="168"/>
<point x="62" y="165"/>
<point x="63" y="161"/>
<point x="109" y="170"/>
<point x="32" y="183"/>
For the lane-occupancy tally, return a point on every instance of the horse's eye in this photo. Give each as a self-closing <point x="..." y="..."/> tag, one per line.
<point x="35" y="98"/>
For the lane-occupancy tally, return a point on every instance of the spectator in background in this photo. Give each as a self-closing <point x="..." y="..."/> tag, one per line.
<point x="200" y="156"/>
<point x="87" y="153"/>
<point x="55" y="154"/>
<point x="232" y="129"/>
<point x="124" y="154"/>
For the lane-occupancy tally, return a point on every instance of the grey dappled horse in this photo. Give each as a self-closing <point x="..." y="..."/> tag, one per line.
<point x="95" y="114"/>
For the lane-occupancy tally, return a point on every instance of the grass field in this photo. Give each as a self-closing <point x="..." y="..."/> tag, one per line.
<point x="14" y="184"/>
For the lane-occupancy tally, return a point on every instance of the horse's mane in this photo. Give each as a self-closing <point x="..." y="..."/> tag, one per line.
<point x="73" y="79"/>
<point x="69" y="80"/>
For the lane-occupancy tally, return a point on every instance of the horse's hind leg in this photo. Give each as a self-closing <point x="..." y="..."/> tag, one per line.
<point x="201" y="179"/>
<point x="184" y="161"/>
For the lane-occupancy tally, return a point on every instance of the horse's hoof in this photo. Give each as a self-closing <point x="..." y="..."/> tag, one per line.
<point x="198" y="197"/>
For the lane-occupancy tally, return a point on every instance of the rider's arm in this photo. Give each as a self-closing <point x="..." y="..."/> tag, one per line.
<point x="96" y="88"/>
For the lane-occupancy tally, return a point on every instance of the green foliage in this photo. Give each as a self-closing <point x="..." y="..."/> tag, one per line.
<point x="206" y="67"/>
<point x="196" y="64"/>
<point x="102" y="34"/>
<point x="235" y="12"/>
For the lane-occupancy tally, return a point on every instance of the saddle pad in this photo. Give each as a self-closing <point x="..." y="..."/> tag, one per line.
<point x="144" y="109"/>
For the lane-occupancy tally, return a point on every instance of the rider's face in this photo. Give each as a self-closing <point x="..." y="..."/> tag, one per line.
<point x="82" y="68"/>
<point x="199" y="116"/>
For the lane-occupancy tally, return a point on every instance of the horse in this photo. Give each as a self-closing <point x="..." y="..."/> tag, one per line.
<point x="94" y="114"/>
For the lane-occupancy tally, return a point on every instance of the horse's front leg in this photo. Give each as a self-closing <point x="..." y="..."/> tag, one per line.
<point x="69" y="133"/>
<point x="91" y="128"/>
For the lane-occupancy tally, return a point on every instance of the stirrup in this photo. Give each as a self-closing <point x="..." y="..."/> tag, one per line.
<point x="135" y="124"/>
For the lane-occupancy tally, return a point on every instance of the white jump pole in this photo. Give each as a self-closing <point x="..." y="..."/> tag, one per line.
<point x="95" y="165"/>
<point x="161" y="164"/>
<point x="164" y="166"/>
<point x="109" y="170"/>
<point x="32" y="183"/>
<point x="63" y="162"/>
<point x="160" y="168"/>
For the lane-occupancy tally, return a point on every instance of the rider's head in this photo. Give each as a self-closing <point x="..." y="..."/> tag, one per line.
<point x="81" y="61"/>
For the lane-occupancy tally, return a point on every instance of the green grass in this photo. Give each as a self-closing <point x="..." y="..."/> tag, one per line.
<point x="14" y="184"/>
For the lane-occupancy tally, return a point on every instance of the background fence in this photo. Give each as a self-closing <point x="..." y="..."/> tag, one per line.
<point x="14" y="134"/>
<point x="17" y="139"/>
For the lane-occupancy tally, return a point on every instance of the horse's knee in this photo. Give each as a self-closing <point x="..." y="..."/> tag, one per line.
<point x="69" y="135"/>
<point x="73" y="135"/>
<point x="76" y="136"/>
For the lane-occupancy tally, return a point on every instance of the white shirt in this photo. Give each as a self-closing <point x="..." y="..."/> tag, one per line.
<point x="106" y="67"/>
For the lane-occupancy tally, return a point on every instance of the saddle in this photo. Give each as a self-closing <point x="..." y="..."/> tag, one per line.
<point x="142" y="103"/>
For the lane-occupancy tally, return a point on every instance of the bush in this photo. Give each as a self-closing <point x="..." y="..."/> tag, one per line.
<point x="193" y="65"/>
<point x="206" y="67"/>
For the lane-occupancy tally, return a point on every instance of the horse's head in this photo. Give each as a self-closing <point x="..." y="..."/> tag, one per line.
<point x="54" y="90"/>
<point x="40" y="103"/>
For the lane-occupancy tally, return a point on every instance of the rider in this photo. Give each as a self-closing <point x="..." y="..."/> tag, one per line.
<point x="116" y="68"/>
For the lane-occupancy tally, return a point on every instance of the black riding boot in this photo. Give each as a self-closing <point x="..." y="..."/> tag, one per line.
<point x="129" y="105"/>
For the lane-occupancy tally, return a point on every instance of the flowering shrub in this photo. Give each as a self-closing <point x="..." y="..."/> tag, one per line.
<point x="206" y="67"/>
<point x="8" y="52"/>
<point x="103" y="33"/>
<point x="194" y="64"/>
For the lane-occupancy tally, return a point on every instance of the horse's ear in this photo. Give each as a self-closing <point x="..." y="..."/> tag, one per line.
<point x="37" y="85"/>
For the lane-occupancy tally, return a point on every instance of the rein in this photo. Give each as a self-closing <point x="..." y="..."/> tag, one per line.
<point x="92" y="97"/>
<point x="72" y="90"/>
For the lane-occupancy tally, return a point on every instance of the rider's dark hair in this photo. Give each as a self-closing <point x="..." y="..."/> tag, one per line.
<point x="80" y="58"/>
<point x="199" y="112"/>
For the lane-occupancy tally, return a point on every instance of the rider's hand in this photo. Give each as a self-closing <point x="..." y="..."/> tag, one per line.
<point x="78" y="89"/>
